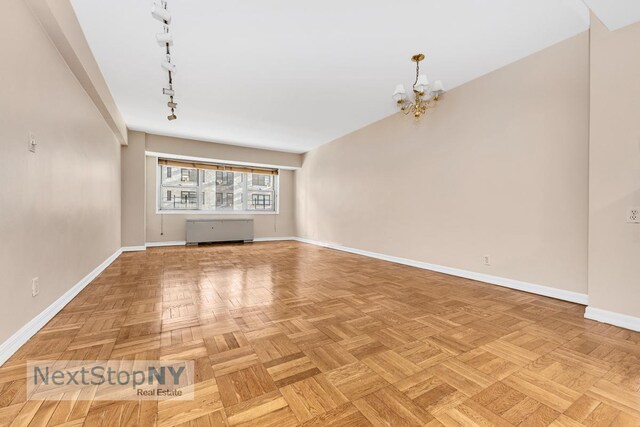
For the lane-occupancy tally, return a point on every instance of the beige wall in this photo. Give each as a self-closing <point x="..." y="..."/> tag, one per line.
<point x="614" y="245"/>
<point x="171" y="227"/>
<point x="61" y="205"/>
<point x="133" y="190"/>
<point x="499" y="168"/>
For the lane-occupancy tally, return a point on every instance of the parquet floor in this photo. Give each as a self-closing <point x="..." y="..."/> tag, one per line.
<point x="285" y="334"/>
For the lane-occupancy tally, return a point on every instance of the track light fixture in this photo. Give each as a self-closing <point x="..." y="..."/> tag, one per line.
<point x="165" y="39"/>
<point x="167" y="65"/>
<point x="159" y="11"/>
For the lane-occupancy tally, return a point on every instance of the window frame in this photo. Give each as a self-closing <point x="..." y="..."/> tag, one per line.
<point x="275" y="179"/>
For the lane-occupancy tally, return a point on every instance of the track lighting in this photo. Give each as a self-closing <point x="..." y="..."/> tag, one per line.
<point x="159" y="12"/>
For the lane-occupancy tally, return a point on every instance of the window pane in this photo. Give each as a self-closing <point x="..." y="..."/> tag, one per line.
<point x="261" y="181"/>
<point x="179" y="198"/>
<point x="180" y="177"/>
<point x="261" y="201"/>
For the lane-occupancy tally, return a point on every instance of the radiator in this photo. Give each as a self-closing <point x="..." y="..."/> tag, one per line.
<point x="219" y="230"/>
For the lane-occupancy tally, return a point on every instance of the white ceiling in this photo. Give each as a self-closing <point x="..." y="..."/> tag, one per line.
<point x="615" y="14"/>
<point x="291" y="75"/>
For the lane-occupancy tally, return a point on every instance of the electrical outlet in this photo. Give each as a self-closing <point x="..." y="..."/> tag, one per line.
<point x="35" y="286"/>
<point x="486" y="259"/>
<point x="633" y="216"/>
<point x="32" y="142"/>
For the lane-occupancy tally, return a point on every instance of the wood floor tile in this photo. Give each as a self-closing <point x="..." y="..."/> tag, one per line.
<point x="363" y="346"/>
<point x="244" y="384"/>
<point x="291" y="368"/>
<point x="331" y="356"/>
<point x="284" y="334"/>
<point x="356" y="380"/>
<point x="312" y="397"/>
<point x="388" y="406"/>
<point x="391" y="366"/>
<point x="267" y="409"/>
<point x="430" y="392"/>
<point x="345" y="415"/>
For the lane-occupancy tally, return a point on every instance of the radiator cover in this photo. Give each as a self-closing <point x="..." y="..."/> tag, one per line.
<point x="219" y="230"/>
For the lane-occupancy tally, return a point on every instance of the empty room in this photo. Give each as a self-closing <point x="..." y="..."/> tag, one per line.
<point x="338" y="213"/>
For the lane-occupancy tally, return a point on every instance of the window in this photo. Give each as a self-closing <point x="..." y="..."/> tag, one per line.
<point x="188" y="175"/>
<point x="260" y="180"/>
<point x="261" y="201"/>
<point x="224" y="178"/>
<point x="209" y="190"/>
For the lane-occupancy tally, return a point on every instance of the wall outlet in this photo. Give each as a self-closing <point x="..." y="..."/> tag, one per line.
<point x="32" y="142"/>
<point x="35" y="286"/>
<point x="633" y="216"/>
<point x="486" y="259"/>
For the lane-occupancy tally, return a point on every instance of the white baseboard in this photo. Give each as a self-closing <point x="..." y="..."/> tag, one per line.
<point x="133" y="248"/>
<point x="273" y="239"/>
<point x="481" y="277"/>
<point x="17" y="340"/>
<point x="613" y="318"/>
<point x="158" y="244"/>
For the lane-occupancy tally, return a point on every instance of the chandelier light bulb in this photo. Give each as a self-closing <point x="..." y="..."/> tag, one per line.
<point x="400" y="93"/>
<point x="422" y="83"/>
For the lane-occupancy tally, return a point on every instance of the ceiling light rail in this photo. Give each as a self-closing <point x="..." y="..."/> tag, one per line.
<point x="165" y="39"/>
<point x="426" y="95"/>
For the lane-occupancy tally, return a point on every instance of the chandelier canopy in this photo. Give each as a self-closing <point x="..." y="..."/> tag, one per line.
<point x="426" y="95"/>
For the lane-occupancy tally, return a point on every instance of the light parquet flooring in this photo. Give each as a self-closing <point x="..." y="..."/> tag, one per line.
<point x="286" y="334"/>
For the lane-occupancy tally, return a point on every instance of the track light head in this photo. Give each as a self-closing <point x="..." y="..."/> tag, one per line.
<point x="172" y="117"/>
<point x="167" y="65"/>
<point x="164" y="38"/>
<point x="172" y="104"/>
<point x="160" y="13"/>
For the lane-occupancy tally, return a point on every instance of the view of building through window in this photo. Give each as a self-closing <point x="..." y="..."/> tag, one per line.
<point x="213" y="190"/>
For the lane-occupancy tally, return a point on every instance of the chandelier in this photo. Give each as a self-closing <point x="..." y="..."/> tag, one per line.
<point x="426" y="95"/>
<point x="160" y="12"/>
